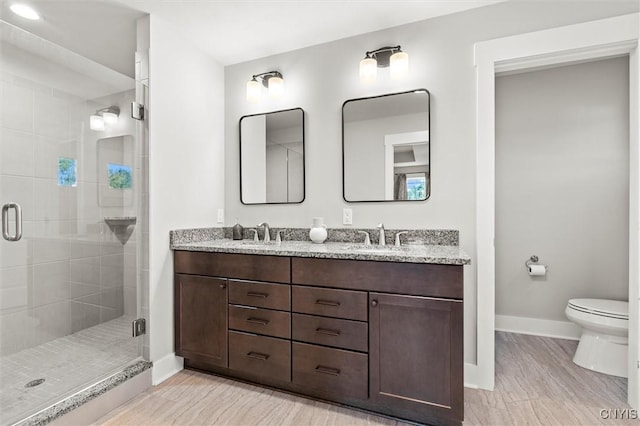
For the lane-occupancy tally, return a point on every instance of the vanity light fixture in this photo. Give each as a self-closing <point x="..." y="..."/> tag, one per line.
<point x="24" y="11"/>
<point x="388" y="56"/>
<point x="272" y="80"/>
<point x="103" y="117"/>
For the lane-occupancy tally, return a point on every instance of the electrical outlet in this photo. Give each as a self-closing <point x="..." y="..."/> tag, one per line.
<point x="220" y="215"/>
<point x="347" y="217"/>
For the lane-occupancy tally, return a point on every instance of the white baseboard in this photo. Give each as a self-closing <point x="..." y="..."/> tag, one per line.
<point x="470" y="375"/>
<point x="166" y="367"/>
<point x="538" y="327"/>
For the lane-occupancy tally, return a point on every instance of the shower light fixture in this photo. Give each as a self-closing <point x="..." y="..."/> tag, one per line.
<point x="272" y="80"/>
<point x="104" y="117"/>
<point x="96" y="122"/>
<point x="389" y="56"/>
<point x="24" y="11"/>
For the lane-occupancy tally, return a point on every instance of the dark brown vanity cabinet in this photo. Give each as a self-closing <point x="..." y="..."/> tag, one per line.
<point x="260" y="329"/>
<point x="204" y="285"/>
<point x="415" y="354"/>
<point x="201" y="318"/>
<point x="382" y="336"/>
<point x="329" y="326"/>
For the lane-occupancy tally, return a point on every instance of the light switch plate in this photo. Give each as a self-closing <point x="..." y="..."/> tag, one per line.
<point x="347" y="216"/>
<point x="220" y="215"/>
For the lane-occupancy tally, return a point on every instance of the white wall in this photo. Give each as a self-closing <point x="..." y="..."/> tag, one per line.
<point x="562" y="186"/>
<point x="320" y="78"/>
<point x="186" y="154"/>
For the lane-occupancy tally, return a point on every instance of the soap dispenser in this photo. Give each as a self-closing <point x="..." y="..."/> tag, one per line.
<point x="237" y="231"/>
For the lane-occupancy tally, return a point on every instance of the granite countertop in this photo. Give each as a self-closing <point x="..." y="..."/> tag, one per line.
<point x="418" y="253"/>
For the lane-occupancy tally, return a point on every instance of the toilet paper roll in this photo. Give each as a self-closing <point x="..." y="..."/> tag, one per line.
<point x="537" y="270"/>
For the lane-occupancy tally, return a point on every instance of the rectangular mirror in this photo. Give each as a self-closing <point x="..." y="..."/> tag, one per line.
<point x="385" y="147"/>
<point x="272" y="157"/>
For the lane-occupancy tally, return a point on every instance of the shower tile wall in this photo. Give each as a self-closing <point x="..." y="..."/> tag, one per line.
<point x="69" y="270"/>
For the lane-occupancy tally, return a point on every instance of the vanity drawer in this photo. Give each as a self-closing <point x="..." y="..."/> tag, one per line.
<point x="230" y="265"/>
<point x="331" y="372"/>
<point x="263" y="356"/>
<point x="261" y="295"/>
<point x="416" y="279"/>
<point x="260" y="321"/>
<point x="329" y="302"/>
<point x="340" y="333"/>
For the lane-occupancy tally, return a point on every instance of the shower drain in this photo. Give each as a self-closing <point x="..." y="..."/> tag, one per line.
<point x="33" y="383"/>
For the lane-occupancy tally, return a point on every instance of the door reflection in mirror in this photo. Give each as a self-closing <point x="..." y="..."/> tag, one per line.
<point x="272" y="157"/>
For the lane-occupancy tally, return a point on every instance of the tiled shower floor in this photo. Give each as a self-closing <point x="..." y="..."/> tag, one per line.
<point x="67" y="364"/>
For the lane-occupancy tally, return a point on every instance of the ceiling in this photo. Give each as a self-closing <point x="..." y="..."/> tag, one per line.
<point x="231" y="31"/>
<point x="234" y="31"/>
<point x="103" y="31"/>
<point x="51" y="65"/>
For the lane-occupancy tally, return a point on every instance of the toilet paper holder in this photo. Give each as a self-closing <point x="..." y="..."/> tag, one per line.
<point x="533" y="259"/>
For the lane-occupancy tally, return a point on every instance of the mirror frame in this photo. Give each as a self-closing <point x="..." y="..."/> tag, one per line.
<point x="429" y="154"/>
<point x="304" y="156"/>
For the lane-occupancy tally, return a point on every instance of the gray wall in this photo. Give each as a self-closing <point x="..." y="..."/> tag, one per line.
<point x="562" y="186"/>
<point x="320" y="78"/>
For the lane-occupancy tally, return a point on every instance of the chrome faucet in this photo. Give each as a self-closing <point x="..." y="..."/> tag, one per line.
<point x="381" y="241"/>
<point x="398" y="244"/>
<point x="367" y="240"/>
<point x="267" y="238"/>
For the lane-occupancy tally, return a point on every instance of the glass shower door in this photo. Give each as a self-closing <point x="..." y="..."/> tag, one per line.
<point x="69" y="195"/>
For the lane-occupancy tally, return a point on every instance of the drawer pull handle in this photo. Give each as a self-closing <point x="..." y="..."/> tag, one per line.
<point x="328" y="331"/>
<point x="260" y="321"/>
<point x="258" y="355"/>
<point x="256" y="294"/>
<point x="328" y="370"/>
<point x="327" y="302"/>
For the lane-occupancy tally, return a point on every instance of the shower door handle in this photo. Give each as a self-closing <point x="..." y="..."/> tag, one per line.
<point x="5" y="222"/>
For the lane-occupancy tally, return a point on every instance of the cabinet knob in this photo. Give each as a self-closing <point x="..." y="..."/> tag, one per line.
<point x="374" y="303"/>
<point x="223" y="286"/>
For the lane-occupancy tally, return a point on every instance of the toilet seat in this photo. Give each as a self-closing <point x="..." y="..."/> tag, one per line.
<point x="604" y="308"/>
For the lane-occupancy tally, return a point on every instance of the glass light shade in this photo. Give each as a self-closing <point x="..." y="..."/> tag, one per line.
<point x="368" y="70"/>
<point x="25" y="11"/>
<point x="109" y="118"/>
<point x="276" y="87"/>
<point x="96" y="122"/>
<point x="398" y="65"/>
<point x="254" y="91"/>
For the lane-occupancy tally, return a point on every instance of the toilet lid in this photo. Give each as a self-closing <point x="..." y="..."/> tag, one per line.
<point x="606" y="308"/>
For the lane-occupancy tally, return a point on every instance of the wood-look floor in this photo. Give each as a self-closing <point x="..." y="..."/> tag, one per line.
<point x="536" y="384"/>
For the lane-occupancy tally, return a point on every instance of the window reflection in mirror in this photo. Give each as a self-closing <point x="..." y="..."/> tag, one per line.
<point x="386" y="147"/>
<point x="272" y="157"/>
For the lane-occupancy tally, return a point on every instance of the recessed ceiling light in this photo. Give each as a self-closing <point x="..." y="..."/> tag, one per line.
<point x="25" y="11"/>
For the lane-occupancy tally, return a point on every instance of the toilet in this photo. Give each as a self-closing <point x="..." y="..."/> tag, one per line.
<point x="605" y="330"/>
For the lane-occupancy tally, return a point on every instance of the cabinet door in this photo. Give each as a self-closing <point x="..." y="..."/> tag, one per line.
<point x="201" y="318"/>
<point x="416" y="357"/>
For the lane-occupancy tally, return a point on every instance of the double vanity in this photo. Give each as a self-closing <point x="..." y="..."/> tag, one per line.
<point x="373" y="327"/>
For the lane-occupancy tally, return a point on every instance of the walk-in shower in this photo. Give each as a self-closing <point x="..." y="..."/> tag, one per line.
<point x="70" y="256"/>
